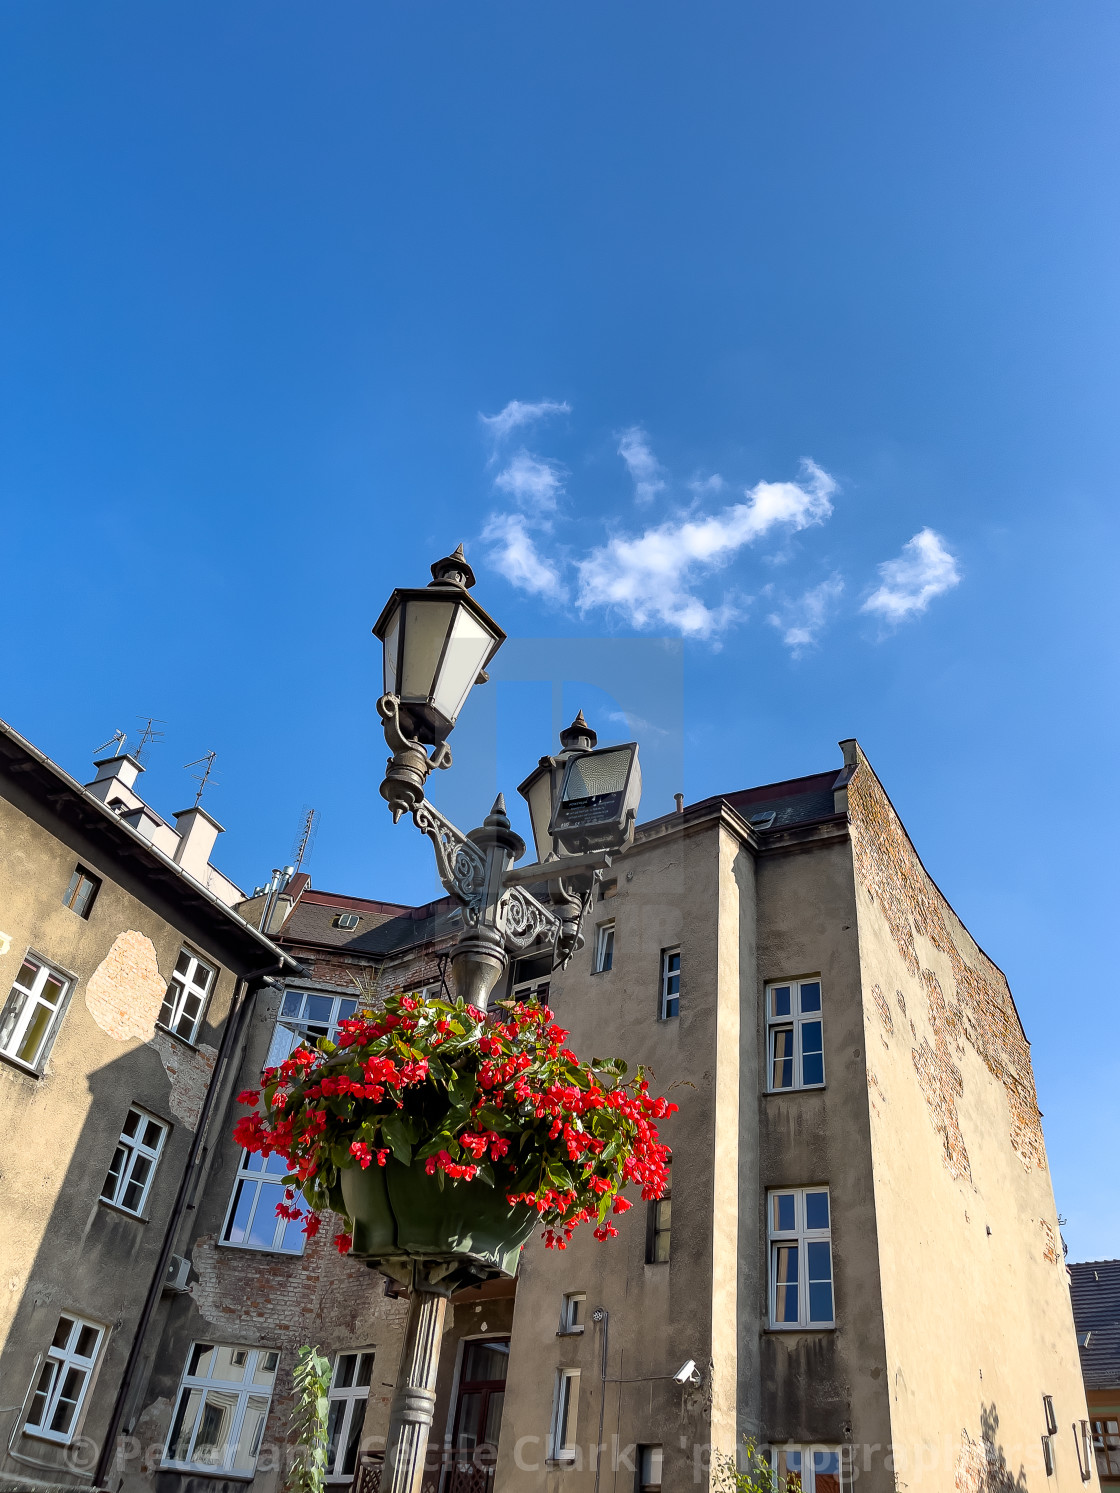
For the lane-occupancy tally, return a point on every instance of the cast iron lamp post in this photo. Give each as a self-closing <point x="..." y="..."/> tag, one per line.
<point x="583" y="806"/>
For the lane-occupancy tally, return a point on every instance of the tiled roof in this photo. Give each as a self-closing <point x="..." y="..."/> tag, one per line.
<point x="382" y="926"/>
<point x="1095" y="1290"/>
<point x="795" y="801"/>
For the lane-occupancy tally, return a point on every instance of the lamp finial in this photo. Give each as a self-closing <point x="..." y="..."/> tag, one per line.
<point x="579" y="734"/>
<point x="453" y="570"/>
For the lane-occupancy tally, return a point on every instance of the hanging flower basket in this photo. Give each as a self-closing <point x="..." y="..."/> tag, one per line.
<point x="440" y="1135"/>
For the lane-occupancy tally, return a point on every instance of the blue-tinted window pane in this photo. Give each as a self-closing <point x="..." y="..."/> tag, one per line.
<point x="812" y="1070"/>
<point x="785" y="1282"/>
<point x="672" y="1006"/>
<point x="811" y="997"/>
<point x="781" y="1071"/>
<point x="780" y="1001"/>
<point x="317" y="1008"/>
<point x="253" y="1161"/>
<point x="346" y="1009"/>
<point x="784" y="1215"/>
<point x="294" y="1238"/>
<point x="820" y="1301"/>
<point x="276" y="1166"/>
<point x="826" y="1462"/>
<point x="820" y="1259"/>
<point x="292" y="1003"/>
<point x="262" y="1230"/>
<point x="811" y="1036"/>
<point x="816" y="1210"/>
<point x="242" y="1211"/>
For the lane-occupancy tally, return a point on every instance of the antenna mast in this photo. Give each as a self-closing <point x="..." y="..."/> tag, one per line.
<point x="203" y="777"/>
<point x="305" y="839"/>
<point x="149" y="736"/>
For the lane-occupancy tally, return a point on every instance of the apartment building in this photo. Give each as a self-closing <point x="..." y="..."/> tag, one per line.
<point x="858" y="1265"/>
<point x="126" y="978"/>
<point x="1095" y="1288"/>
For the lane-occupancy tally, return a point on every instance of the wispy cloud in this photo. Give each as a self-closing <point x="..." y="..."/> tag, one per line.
<point x="800" y="621"/>
<point x="923" y="570"/>
<point x="649" y="579"/>
<point x="532" y="482"/>
<point x="519" y="412"/>
<point x="514" y="552"/>
<point x="643" y="466"/>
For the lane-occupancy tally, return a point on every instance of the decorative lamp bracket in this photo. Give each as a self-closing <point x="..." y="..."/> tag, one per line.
<point x="407" y="769"/>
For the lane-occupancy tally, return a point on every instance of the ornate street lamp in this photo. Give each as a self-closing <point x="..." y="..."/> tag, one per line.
<point x="583" y="805"/>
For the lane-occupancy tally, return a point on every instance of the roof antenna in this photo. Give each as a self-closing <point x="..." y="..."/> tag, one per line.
<point x="149" y="736"/>
<point x="305" y="840"/>
<point x="116" y="741"/>
<point x="202" y="778"/>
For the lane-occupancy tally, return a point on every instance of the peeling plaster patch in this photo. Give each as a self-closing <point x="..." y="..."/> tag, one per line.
<point x="5" y="944"/>
<point x="125" y="991"/>
<point x="901" y="999"/>
<point x="982" y="1467"/>
<point x="883" y="1009"/>
<point x="981" y="1014"/>
<point x="188" y="1070"/>
<point x="1049" y="1248"/>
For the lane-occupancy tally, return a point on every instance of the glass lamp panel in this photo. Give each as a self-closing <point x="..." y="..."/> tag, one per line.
<point x="538" y="795"/>
<point x="426" y="625"/>
<point x="468" y="648"/>
<point x="598" y="772"/>
<point x="389" y="644"/>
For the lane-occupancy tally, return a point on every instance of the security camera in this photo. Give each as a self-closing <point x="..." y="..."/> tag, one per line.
<point x="688" y="1373"/>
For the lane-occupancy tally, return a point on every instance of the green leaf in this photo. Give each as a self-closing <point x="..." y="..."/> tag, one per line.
<point x="395" y="1131"/>
<point x="486" y="1173"/>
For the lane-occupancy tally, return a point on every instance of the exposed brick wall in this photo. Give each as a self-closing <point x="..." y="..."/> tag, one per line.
<point x="125" y="991"/>
<point x="188" y="1069"/>
<point x="980" y="1011"/>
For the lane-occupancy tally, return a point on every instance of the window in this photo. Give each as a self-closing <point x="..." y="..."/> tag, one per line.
<point x="650" y="1460"/>
<point x="571" y="1312"/>
<point x="669" y="1004"/>
<point x="252" y="1221"/>
<point x="564" y="1411"/>
<point x="305" y="1017"/>
<point x="134" y="1161"/>
<point x="223" y="1405"/>
<point x="660" y="1224"/>
<point x="796" y="1048"/>
<point x="350" y="1382"/>
<point x="64" y="1379"/>
<point x="186" y="995"/>
<point x="1106" y="1445"/>
<point x="346" y="920"/>
<point x="532" y="975"/>
<point x="800" y="1259"/>
<point x="604" y="948"/>
<point x="83" y="888"/>
<point x="811" y="1469"/>
<point x="30" y="1015"/>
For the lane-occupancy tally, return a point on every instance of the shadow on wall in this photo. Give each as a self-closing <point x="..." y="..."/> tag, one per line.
<point x="93" y="1262"/>
<point x="983" y="1465"/>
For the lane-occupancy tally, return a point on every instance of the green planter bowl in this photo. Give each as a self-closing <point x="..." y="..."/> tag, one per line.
<point x="399" y="1212"/>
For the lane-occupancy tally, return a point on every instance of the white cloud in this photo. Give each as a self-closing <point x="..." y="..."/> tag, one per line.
<point x="644" y="468"/>
<point x="648" y="578"/>
<point x="533" y="482"/>
<point x="923" y="570"/>
<point x="801" y="621"/>
<point x="518" y="412"/>
<point x="514" y="552"/>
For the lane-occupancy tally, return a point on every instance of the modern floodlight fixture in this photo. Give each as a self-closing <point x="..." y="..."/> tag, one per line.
<point x="597" y="805"/>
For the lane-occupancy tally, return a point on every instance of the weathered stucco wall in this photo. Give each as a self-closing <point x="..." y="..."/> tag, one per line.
<point x="978" y="1322"/>
<point x="62" y="1249"/>
<point x="659" y="1315"/>
<point x="821" y="1386"/>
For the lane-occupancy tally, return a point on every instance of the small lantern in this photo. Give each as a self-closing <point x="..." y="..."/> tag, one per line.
<point x="437" y="643"/>
<point x="598" y="800"/>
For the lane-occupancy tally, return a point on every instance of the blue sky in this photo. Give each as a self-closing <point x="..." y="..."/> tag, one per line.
<point x="765" y="292"/>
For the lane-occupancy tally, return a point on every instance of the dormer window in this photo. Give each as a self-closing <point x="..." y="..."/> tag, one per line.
<point x="345" y="920"/>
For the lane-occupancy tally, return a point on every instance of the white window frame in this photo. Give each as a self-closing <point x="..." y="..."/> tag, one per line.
<point x="801" y="1236"/>
<point x="666" y="996"/>
<point x="562" y="1443"/>
<point x="571" y="1324"/>
<point x="21" y="1013"/>
<point x="795" y="1024"/>
<point x="188" y="985"/>
<point x="243" y="1391"/>
<point x="60" y="1362"/>
<point x="136" y="1150"/>
<point x="259" y="1177"/>
<point x="808" y="1472"/>
<point x="651" y="1467"/>
<point x="353" y="1398"/>
<point x="294" y="1026"/>
<point x="604" y="947"/>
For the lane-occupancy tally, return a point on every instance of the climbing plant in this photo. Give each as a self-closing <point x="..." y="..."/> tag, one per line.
<point x="311" y="1379"/>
